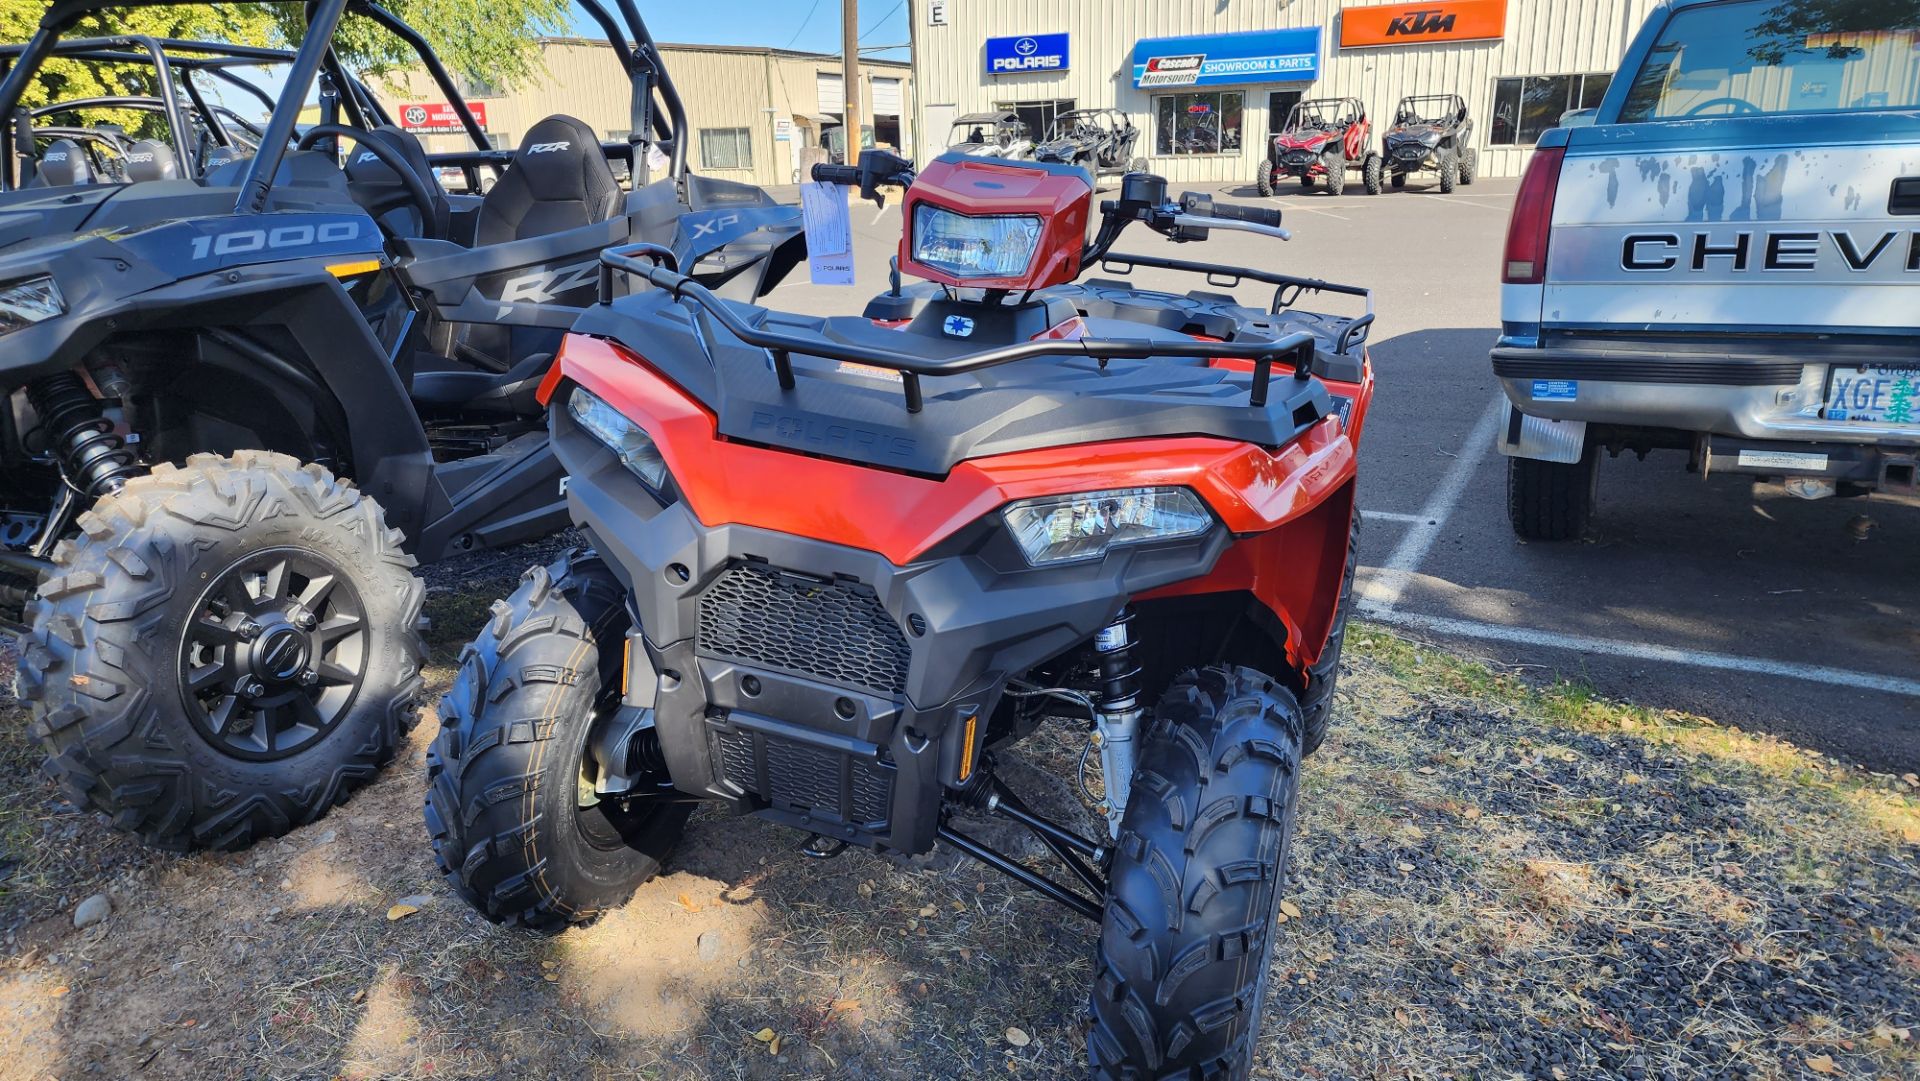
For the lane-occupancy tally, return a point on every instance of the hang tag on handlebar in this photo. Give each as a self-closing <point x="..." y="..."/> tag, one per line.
<point x="829" y="228"/>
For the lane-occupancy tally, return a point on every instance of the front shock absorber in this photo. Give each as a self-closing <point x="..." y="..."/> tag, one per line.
<point x="95" y="459"/>
<point x="1117" y="713"/>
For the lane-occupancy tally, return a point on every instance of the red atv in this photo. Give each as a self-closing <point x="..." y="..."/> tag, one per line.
<point x="838" y="563"/>
<point x="1324" y="137"/>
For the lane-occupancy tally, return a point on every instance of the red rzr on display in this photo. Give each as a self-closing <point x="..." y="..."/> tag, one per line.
<point x="1323" y="138"/>
<point x="838" y="564"/>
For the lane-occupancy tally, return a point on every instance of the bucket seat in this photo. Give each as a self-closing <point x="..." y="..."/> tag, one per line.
<point x="375" y="185"/>
<point x="63" y="162"/>
<point x="151" y="159"/>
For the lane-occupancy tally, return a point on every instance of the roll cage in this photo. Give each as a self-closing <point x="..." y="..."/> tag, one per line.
<point x="1325" y="114"/>
<point x="1441" y="110"/>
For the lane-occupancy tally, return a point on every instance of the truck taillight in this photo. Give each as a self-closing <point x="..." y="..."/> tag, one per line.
<point x="1532" y="221"/>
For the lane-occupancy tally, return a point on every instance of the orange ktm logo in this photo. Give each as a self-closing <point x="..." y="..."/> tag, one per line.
<point x="1419" y="24"/>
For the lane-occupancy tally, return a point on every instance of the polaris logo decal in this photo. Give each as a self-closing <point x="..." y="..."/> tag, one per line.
<point x="1770" y="251"/>
<point x="958" y="326"/>
<point x="826" y="435"/>
<point x="546" y="285"/>
<point x="549" y="148"/>
<point x="1432" y="21"/>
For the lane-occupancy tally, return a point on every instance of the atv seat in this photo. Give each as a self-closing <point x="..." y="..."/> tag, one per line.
<point x="63" y="162"/>
<point x="483" y="394"/>
<point x="151" y="159"/>
<point x="375" y="185"/>
<point x="221" y="155"/>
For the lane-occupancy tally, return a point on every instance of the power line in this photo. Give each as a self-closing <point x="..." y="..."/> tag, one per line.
<point x="803" y="24"/>
<point x="881" y="19"/>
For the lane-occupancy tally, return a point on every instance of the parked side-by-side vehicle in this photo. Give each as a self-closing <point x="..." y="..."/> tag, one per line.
<point x="1322" y="140"/>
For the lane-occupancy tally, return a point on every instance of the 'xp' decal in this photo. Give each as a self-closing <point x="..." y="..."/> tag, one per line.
<point x="712" y="226"/>
<point x="545" y="286"/>
<point x="286" y="236"/>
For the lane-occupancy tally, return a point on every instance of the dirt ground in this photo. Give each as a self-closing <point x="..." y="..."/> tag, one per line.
<point x="1491" y="880"/>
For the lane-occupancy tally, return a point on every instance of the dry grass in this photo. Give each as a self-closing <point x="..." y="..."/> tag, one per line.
<point x="1493" y="879"/>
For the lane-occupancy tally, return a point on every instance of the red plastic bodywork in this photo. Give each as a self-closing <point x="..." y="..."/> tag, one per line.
<point x="1353" y="141"/>
<point x="1290" y="508"/>
<point x="984" y="187"/>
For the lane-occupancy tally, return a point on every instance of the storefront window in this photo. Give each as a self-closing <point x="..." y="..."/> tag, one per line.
<point x="725" y="148"/>
<point x="1525" y="107"/>
<point x="1202" y="123"/>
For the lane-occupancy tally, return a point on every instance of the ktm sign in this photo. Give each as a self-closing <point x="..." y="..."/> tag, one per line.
<point x="1419" y="24"/>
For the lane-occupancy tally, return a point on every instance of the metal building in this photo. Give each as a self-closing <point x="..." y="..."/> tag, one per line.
<point x="1208" y="81"/>
<point x="754" y="113"/>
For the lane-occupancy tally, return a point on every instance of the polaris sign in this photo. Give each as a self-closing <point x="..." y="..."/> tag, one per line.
<point x="1034" y="52"/>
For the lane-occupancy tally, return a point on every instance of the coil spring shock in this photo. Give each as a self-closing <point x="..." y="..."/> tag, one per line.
<point x="1117" y="712"/>
<point x="94" y="458"/>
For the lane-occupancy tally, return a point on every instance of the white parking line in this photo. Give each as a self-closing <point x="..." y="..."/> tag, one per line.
<point x="1610" y="647"/>
<point x="1389" y="516"/>
<point x="1382" y="591"/>
<point x="1456" y="198"/>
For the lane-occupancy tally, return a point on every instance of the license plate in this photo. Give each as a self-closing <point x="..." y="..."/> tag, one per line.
<point x="1873" y="394"/>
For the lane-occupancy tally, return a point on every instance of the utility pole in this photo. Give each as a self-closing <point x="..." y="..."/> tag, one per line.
<point x="850" y="77"/>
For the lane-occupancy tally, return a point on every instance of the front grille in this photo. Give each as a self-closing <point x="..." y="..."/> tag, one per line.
<point x="1410" y="153"/>
<point x="794" y="776"/>
<point x="1297" y="157"/>
<point x="834" y="631"/>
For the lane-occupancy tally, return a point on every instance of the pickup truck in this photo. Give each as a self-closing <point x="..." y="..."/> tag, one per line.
<point x="1725" y="262"/>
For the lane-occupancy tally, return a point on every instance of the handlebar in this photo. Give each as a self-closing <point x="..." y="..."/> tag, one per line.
<point x="828" y="173"/>
<point x="1203" y="206"/>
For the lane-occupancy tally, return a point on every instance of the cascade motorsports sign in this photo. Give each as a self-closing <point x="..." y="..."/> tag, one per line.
<point x="431" y="117"/>
<point x="1259" y="56"/>
<point x="1028" y="53"/>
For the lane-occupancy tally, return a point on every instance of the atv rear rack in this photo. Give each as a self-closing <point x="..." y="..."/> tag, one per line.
<point x="1288" y="288"/>
<point x="660" y="269"/>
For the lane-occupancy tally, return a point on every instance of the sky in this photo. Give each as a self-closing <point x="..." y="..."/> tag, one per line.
<point x="811" y="25"/>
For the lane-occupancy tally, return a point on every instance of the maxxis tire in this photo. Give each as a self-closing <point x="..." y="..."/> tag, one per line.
<point x="103" y="668"/>
<point x="502" y="807"/>
<point x="1323" y="676"/>
<point x="1449" y="172"/>
<point x="1264" y="182"/>
<point x="1469" y="167"/>
<point x="1370" y="173"/>
<point x="1552" y="501"/>
<point x="1187" y="938"/>
<point x="1336" y="176"/>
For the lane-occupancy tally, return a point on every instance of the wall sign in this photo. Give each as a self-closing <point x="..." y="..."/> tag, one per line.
<point x="1033" y="52"/>
<point x="1258" y="56"/>
<point x="1421" y="24"/>
<point x="427" y="118"/>
<point x="937" y="13"/>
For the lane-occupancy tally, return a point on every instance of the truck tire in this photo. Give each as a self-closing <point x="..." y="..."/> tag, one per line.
<point x="1449" y="172"/>
<point x="1370" y="173"/>
<point x="1469" y="166"/>
<point x="1264" y="182"/>
<point x="226" y="650"/>
<point x="513" y="830"/>
<point x="1186" y="941"/>
<point x="1323" y="676"/>
<point x="1552" y="501"/>
<point x="1336" y="175"/>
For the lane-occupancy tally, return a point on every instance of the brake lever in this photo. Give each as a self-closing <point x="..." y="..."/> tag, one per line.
<point x="1195" y="221"/>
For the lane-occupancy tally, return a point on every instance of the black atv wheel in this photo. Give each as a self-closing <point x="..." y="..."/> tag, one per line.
<point x="1469" y="166"/>
<point x="1399" y="179"/>
<point x="1263" y="183"/>
<point x="1306" y="181"/>
<point x="515" y="823"/>
<point x="1323" y="676"/>
<point x="1552" y="501"/>
<point x="1139" y="165"/>
<point x="1370" y="173"/>
<point x="1449" y="171"/>
<point x="226" y="650"/>
<point x="1336" y="175"/>
<point x="1186" y="942"/>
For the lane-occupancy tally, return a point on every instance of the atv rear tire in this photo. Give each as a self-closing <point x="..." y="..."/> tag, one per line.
<point x="1187" y="938"/>
<point x="1264" y="182"/>
<point x="1370" y="172"/>
<point x="1336" y="175"/>
<point x="1323" y="676"/>
<point x="1399" y="179"/>
<point x="1449" y="172"/>
<point x="226" y="650"/>
<point x="1552" y="501"/>
<point x="1469" y="166"/>
<point x="512" y="826"/>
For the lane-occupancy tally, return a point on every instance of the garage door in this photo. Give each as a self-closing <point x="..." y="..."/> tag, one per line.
<point x="827" y="88"/>
<point x="886" y="97"/>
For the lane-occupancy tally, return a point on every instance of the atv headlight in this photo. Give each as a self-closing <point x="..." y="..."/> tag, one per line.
<point x="24" y="303"/>
<point x="996" y="246"/>
<point x="633" y="446"/>
<point x="1065" y="528"/>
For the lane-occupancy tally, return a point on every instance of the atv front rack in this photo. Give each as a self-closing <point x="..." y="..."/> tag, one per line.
<point x="1287" y="288"/>
<point x="656" y="264"/>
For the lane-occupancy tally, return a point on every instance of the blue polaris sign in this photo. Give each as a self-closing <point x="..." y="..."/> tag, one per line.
<point x="1033" y="52"/>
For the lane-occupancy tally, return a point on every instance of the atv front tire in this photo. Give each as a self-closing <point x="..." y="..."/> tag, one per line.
<point x="226" y="650"/>
<point x="1399" y="179"/>
<point x="1336" y="175"/>
<point x="1552" y="501"/>
<point x="1449" y="172"/>
<point x="1370" y="173"/>
<point x="1323" y="676"/>
<point x="1306" y="182"/>
<point x="516" y="828"/>
<point x="1264" y="182"/>
<point x="1187" y="937"/>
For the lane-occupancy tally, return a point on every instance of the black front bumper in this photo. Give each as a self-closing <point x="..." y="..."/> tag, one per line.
<point x="1407" y="157"/>
<point x="821" y="685"/>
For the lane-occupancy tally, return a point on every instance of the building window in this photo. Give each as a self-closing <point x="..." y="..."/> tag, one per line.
<point x="471" y="87"/>
<point x="503" y="140"/>
<point x="1525" y="107"/>
<point x="1203" y="123"/>
<point x="725" y="148"/>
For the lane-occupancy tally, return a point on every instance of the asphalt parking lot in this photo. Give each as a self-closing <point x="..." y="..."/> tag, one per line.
<point x="1713" y="596"/>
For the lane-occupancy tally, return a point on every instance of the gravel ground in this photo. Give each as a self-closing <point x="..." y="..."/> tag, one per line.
<point x="1492" y="880"/>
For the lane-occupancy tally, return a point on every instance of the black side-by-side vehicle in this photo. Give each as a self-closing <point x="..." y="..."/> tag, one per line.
<point x="1431" y="132"/>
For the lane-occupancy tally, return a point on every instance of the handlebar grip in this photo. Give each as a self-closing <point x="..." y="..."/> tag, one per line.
<point x="1253" y="215"/>
<point x="828" y="173"/>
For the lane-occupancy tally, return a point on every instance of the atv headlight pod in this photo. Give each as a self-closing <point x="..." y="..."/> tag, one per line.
<point x="29" y="301"/>
<point x="1065" y="528"/>
<point x="995" y="246"/>
<point x="633" y="446"/>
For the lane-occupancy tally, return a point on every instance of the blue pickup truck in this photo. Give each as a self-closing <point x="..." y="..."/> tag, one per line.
<point x="1725" y="262"/>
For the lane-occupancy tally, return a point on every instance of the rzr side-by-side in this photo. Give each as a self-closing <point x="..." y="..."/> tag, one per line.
<point x="991" y="135"/>
<point x="1431" y="132"/>
<point x="1098" y="140"/>
<point x="239" y="401"/>
<point x="838" y="564"/>
<point x="1322" y="139"/>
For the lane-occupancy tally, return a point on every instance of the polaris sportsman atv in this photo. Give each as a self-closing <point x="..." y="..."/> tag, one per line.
<point x="1098" y="140"/>
<point x="838" y="564"/>
<point x="1431" y="132"/>
<point x="1322" y="138"/>
<point x="236" y="407"/>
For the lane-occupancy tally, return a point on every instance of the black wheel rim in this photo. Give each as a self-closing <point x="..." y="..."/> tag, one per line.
<point x="274" y="655"/>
